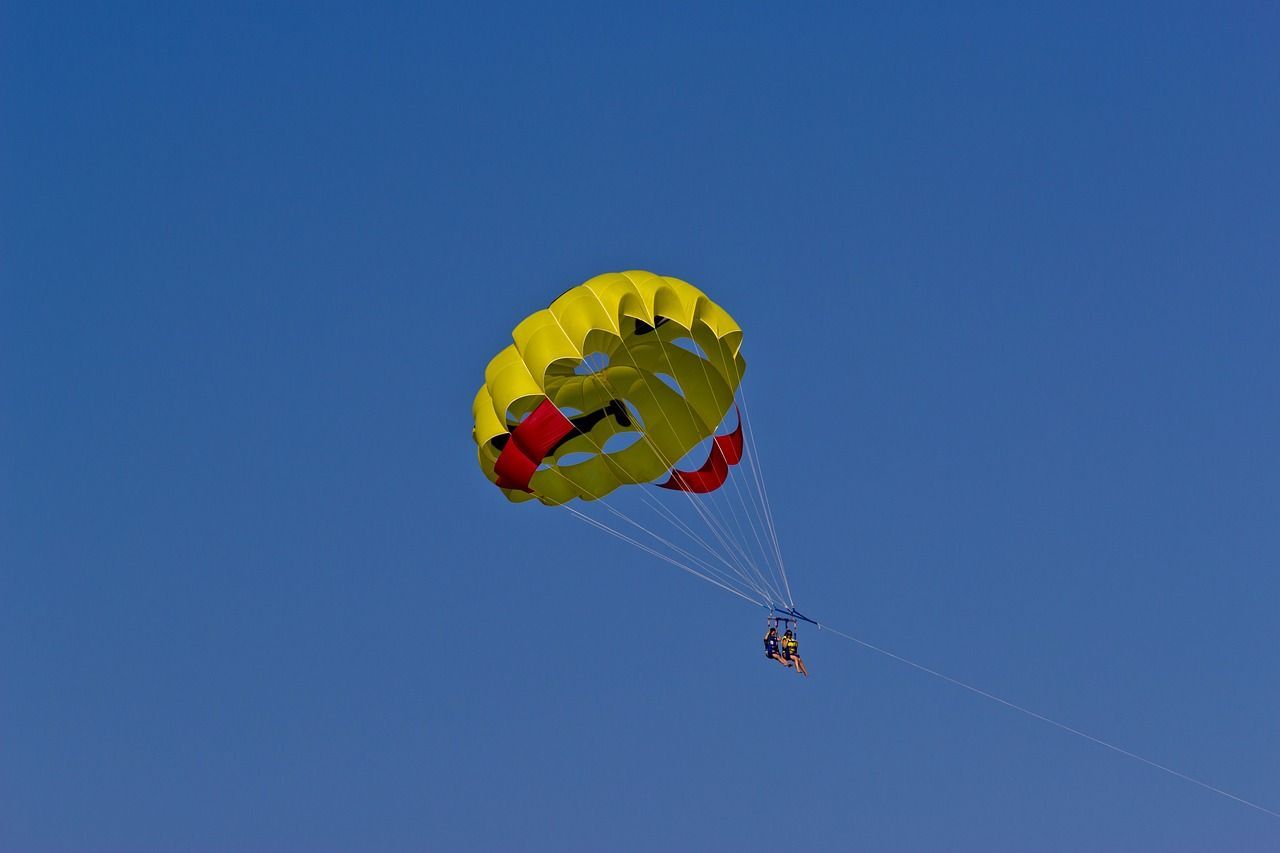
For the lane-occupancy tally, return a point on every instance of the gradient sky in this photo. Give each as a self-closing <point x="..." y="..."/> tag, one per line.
<point x="1009" y="280"/>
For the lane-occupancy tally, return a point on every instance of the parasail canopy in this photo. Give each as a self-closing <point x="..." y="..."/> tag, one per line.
<point x="623" y="355"/>
<point x="630" y="381"/>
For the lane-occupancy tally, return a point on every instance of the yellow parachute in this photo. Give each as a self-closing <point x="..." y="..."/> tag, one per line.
<point x="630" y="354"/>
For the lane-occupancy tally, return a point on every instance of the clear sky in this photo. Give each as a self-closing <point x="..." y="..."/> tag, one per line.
<point x="1009" y="280"/>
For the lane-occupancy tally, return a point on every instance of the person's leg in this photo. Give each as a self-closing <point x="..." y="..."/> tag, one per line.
<point x="800" y="665"/>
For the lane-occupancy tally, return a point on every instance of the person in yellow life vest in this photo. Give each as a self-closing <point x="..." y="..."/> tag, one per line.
<point x="791" y="652"/>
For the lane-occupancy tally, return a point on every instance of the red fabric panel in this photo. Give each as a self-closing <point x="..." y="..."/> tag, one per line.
<point x="731" y="445"/>
<point x="514" y="469"/>
<point x="726" y="450"/>
<point x="539" y="432"/>
<point x="529" y="443"/>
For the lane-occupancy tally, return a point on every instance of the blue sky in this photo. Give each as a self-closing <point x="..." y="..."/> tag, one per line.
<point x="1009" y="283"/>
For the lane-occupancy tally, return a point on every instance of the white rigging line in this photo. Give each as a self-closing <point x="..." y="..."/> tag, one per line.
<point x="717" y="526"/>
<point x="741" y="500"/>
<point x="702" y="362"/>
<point x="723" y="579"/>
<point x="779" y="574"/>
<point x="718" y="574"/>
<point x="670" y="516"/>
<point x="657" y="337"/>
<point x="746" y="572"/>
<point x="751" y="451"/>
<point x="720" y="579"/>
<point x="759" y="520"/>
<point x="757" y="469"/>
<point x="606" y="528"/>
<point x="719" y="530"/>
<point x="1066" y="728"/>
<point x="657" y="451"/>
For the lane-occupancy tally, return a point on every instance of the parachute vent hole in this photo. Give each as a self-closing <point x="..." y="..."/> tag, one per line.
<point x="621" y="441"/>
<point x="594" y="362"/>
<point x="574" y="458"/>
<point x="514" y="418"/>
<point x="697" y="455"/>
<point x="692" y="346"/>
<point x="670" y="382"/>
<point x="635" y="415"/>
<point x="730" y="423"/>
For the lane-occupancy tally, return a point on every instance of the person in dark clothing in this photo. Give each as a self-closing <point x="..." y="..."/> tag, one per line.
<point x="771" y="647"/>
